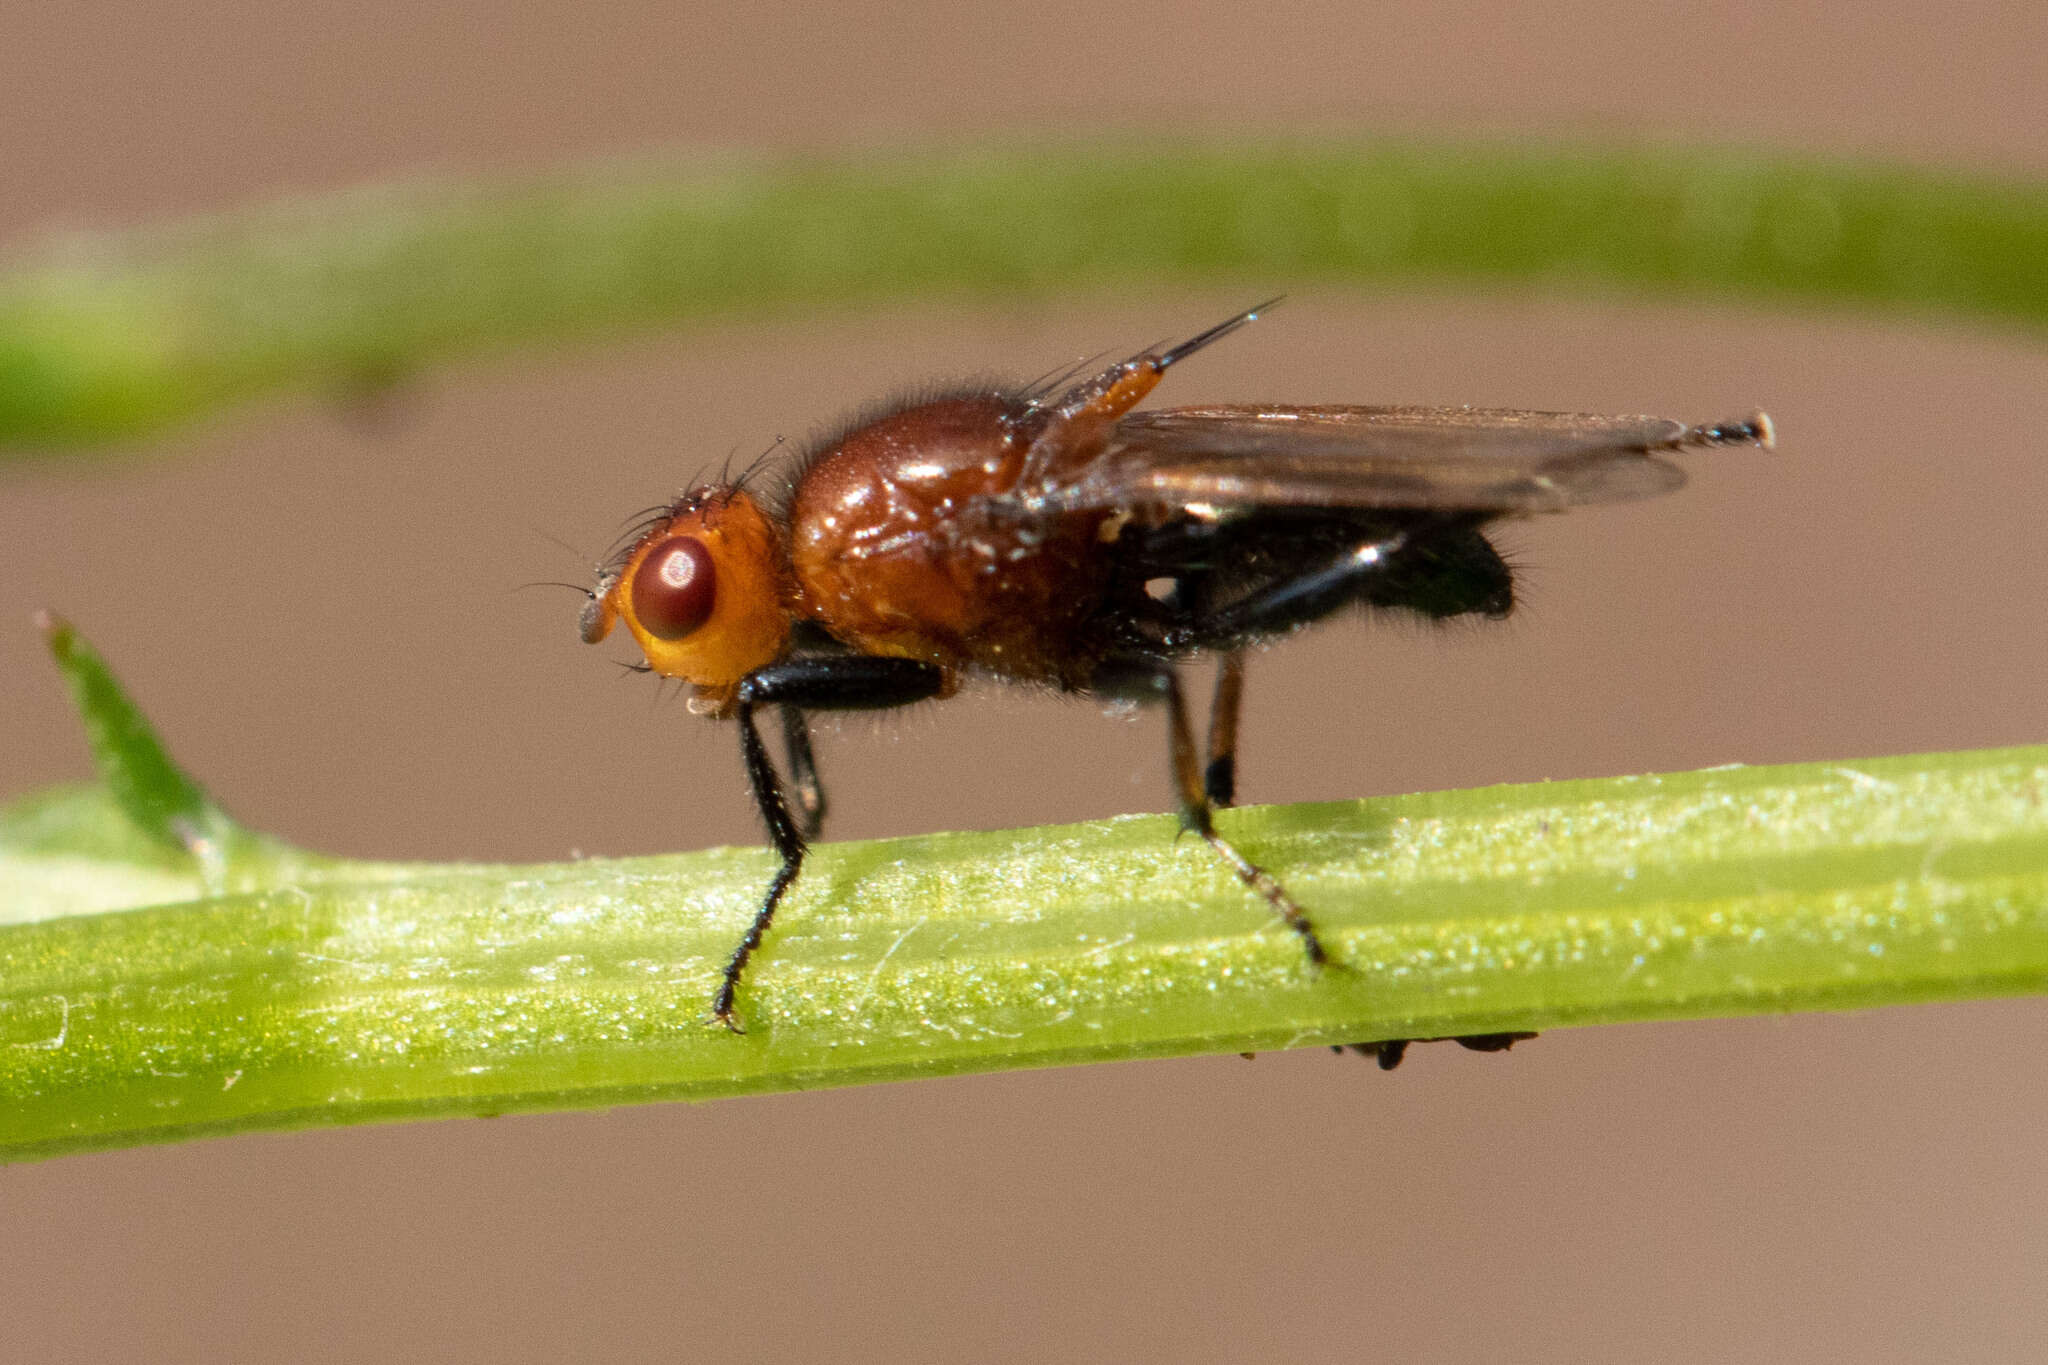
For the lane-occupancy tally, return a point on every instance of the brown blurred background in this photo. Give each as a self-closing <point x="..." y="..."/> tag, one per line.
<point x="318" y="611"/>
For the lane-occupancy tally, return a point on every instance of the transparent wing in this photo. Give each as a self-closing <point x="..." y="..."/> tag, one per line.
<point x="1475" y="459"/>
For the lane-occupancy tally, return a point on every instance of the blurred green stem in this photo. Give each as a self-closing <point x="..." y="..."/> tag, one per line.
<point x="118" y="336"/>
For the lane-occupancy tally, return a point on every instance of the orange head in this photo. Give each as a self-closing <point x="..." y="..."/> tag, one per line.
<point x="702" y="592"/>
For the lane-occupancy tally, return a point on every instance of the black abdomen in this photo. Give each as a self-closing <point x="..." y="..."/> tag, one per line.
<point x="1193" y="584"/>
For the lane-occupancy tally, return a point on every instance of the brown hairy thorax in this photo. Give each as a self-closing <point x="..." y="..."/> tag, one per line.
<point x="906" y="539"/>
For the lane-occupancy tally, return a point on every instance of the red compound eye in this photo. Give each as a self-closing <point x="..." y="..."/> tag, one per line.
<point x="674" y="588"/>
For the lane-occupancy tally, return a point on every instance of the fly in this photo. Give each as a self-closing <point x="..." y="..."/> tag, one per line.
<point x="1048" y="535"/>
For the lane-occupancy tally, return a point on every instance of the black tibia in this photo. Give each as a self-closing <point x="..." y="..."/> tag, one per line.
<point x="1219" y="779"/>
<point x="1389" y="1052"/>
<point x="803" y="772"/>
<point x="832" y="683"/>
<point x="1146" y="679"/>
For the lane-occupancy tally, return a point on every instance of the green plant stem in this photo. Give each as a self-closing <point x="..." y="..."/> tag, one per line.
<point x="347" y="996"/>
<point x="166" y="974"/>
<point x="253" y="986"/>
<point x="118" y="336"/>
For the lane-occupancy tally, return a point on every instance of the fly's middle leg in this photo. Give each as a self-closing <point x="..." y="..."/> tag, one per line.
<point x="803" y="772"/>
<point x="1153" y="680"/>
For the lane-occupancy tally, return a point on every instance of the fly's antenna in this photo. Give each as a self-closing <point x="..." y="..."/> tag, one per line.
<point x="1757" y="430"/>
<point x="554" y="539"/>
<point x="1214" y="334"/>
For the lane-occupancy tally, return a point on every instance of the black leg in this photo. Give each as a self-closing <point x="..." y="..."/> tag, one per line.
<point x="844" y="682"/>
<point x="1488" y="1042"/>
<point x="788" y="840"/>
<point x="1388" y="1052"/>
<point x="803" y="771"/>
<point x="1294" y="601"/>
<point x="834" y="683"/>
<point x="1146" y="679"/>
<point x="1219" y="779"/>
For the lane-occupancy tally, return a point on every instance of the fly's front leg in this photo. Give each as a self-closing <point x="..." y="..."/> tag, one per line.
<point x="783" y="833"/>
<point x="1136" y="678"/>
<point x="833" y="683"/>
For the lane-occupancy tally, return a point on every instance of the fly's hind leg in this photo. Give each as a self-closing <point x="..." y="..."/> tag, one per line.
<point x="1143" y="679"/>
<point x="1294" y="601"/>
<point x="1219" y="778"/>
<point x="1273" y="610"/>
<point x="1280" y="607"/>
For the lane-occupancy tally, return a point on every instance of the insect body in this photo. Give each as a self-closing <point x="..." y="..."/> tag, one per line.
<point x="1048" y="535"/>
